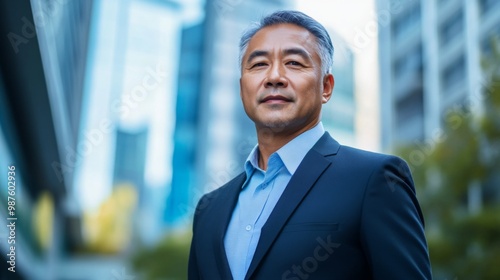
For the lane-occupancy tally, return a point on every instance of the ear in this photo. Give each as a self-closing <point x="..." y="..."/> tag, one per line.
<point x="328" y="84"/>
<point x="241" y="95"/>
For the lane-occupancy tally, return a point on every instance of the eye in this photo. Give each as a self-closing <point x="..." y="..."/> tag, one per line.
<point x="294" y="63"/>
<point x="258" y="64"/>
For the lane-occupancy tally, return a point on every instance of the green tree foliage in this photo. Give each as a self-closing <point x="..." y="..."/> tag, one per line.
<point x="459" y="162"/>
<point x="166" y="261"/>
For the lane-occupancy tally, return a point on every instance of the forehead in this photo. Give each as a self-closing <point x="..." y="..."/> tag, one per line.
<point x="282" y="36"/>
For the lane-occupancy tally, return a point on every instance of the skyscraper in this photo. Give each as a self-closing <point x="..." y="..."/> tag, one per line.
<point x="430" y="56"/>
<point x="41" y="82"/>
<point x="339" y="114"/>
<point x="130" y="159"/>
<point x="179" y="201"/>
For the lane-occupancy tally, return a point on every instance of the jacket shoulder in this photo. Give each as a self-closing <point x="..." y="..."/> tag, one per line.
<point x="330" y="148"/>
<point x="367" y="157"/>
<point x="222" y="192"/>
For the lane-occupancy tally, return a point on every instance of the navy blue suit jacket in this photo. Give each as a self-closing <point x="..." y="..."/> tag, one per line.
<point x="345" y="214"/>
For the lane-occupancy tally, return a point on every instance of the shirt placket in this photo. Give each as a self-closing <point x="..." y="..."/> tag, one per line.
<point x="261" y="196"/>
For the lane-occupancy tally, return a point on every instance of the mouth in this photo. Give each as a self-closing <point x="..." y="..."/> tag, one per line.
<point x="275" y="99"/>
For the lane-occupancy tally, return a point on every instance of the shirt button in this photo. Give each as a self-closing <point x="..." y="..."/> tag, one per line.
<point x="249" y="227"/>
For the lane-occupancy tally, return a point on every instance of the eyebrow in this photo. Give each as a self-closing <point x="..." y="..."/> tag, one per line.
<point x="257" y="53"/>
<point x="298" y="51"/>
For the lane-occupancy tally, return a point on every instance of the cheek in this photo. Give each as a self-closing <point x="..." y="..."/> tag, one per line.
<point x="247" y="99"/>
<point x="249" y="92"/>
<point x="308" y="88"/>
<point x="248" y="86"/>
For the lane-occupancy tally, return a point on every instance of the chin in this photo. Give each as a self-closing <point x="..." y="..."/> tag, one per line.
<point x="276" y="125"/>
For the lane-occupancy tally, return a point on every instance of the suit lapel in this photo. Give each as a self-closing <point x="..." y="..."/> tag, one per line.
<point x="306" y="175"/>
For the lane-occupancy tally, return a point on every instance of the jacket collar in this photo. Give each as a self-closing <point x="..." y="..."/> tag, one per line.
<point x="309" y="170"/>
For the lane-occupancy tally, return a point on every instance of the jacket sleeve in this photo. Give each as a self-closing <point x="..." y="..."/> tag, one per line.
<point x="392" y="225"/>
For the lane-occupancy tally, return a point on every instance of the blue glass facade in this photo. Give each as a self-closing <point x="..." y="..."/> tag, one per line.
<point x="130" y="160"/>
<point x="179" y="202"/>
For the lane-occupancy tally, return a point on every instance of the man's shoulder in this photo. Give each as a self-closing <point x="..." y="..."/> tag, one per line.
<point x="224" y="191"/>
<point x="236" y="181"/>
<point x="333" y="150"/>
<point x="360" y="156"/>
<point x="357" y="152"/>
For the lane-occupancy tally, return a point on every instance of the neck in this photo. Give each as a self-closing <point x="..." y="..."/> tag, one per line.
<point x="270" y="140"/>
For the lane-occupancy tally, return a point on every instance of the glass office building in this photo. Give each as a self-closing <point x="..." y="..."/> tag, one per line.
<point x="339" y="114"/>
<point x="43" y="60"/>
<point x="430" y="54"/>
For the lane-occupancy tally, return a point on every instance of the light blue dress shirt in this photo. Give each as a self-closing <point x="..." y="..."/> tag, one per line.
<point x="259" y="194"/>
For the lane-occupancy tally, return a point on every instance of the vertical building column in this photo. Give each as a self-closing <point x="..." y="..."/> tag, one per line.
<point x="386" y="94"/>
<point x="474" y="87"/>
<point x="431" y="73"/>
<point x="474" y="83"/>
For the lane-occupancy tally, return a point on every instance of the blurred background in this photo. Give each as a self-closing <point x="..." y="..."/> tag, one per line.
<point x="119" y="114"/>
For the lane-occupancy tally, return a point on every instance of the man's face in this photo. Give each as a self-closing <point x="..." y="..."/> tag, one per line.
<point x="282" y="86"/>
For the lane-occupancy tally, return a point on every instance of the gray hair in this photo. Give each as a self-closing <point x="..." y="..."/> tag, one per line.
<point x="325" y="46"/>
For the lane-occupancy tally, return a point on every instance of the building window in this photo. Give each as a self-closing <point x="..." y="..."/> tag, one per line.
<point x="487" y="41"/>
<point x="410" y="62"/>
<point x="442" y="2"/>
<point x="487" y="5"/>
<point x="410" y="107"/>
<point x="409" y="117"/>
<point x="451" y="28"/>
<point x="408" y="20"/>
<point x="454" y="73"/>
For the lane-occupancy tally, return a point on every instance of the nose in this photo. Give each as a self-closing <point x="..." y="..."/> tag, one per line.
<point x="275" y="77"/>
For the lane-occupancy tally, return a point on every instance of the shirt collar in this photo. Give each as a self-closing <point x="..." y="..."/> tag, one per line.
<point x="292" y="153"/>
<point x="252" y="161"/>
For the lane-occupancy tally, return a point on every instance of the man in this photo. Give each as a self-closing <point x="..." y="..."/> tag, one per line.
<point x="305" y="207"/>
